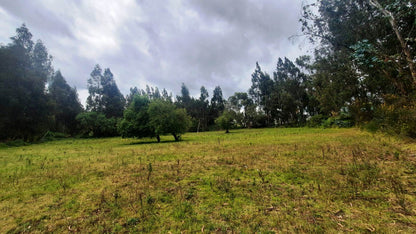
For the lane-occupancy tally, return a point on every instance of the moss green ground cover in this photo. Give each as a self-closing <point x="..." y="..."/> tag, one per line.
<point x="265" y="180"/>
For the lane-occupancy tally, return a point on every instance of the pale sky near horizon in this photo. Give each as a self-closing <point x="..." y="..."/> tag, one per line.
<point x="161" y="42"/>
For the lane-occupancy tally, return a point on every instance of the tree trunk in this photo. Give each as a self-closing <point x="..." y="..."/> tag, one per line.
<point x="158" y="138"/>
<point x="403" y="44"/>
<point x="175" y="136"/>
<point x="227" y="131"/>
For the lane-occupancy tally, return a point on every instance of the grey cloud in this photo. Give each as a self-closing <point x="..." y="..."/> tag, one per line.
<point x="164" y="43"/>
<point x="34" y="13"/>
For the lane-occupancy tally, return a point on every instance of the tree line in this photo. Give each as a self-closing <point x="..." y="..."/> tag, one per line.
<point x="36" y="101"/>
<point x="362" y="73"/>
<point x="364" y="61"/>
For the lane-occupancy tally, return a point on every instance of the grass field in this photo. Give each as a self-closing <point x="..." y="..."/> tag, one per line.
<point x="256" y="180"/>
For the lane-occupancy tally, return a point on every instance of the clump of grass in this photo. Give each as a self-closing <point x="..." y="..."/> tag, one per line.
<point x="399" y="193"/>
<point x="149" y="171"/>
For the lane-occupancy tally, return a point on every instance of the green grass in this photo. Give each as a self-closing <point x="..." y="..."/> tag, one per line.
<point x="257" y="180"/>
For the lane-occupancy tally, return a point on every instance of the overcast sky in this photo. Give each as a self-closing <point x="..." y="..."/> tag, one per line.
<point x="161" y="42"/>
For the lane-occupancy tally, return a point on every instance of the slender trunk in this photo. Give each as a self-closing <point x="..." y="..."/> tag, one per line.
<point x="227" y="131"/>
<point x="158" y="138"/>
<point x="403" y="43"/>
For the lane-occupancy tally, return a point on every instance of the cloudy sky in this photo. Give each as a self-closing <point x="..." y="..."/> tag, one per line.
<point x="161" y="42"/>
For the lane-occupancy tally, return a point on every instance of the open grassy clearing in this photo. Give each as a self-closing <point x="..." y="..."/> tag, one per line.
<point x="302" y="180"/>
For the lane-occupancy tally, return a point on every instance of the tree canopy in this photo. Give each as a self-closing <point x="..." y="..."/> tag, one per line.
<point x="66" y="104"/>
<point x="25" y="105"/>
<point x="153" y="118"/>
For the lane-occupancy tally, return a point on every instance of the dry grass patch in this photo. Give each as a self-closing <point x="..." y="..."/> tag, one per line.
<point x="266" y="180"/>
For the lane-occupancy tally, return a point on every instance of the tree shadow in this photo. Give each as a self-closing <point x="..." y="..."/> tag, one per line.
<point x="148" y="142"/>
<point x="231" y="132"/>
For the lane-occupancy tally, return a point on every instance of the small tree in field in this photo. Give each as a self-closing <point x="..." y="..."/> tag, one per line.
<point x="225" y="121"/>
<point x="136" y="119"/>
<point x="164" y="118"/>
<point x="153" y="118"/>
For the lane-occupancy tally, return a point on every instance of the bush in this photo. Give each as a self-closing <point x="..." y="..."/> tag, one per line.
<point x="315" y="121"/>
<point x="95" y="124"/>
<point x="50" y="136"/>
<point x="15" y="143"/>
<point x="259" y="121"/>
<point x="332" y="122"/>
<point x="396" y="116"/>
<point x="343" y="120"/>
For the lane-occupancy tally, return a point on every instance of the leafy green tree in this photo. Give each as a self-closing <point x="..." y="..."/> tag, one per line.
<point x="217" y="105"/>
<point x="197" y="109"/>
<point x="133" y="92"/>
<point x="66" y="104"/>
<point x="335" y="83"/>
<point x="261" y="91"/>
<point x="365" y="53"/>
<point x="401" y="17"/>
<point x="217" y="100"/>
<point x="164" y="118"/>
<point x="105" y="105"/>
<point x="203" y="97"/>
<point x="42" y="61"/>
<point x="153" y="118"/>
<point x="136" y="119"/>
<point x="202" y="107"/>
<point x="185" y="99"/>
<point x="95" y="90"/>
<point x="289" y="94"/>
<point x="150" y="92"/>
<point x="23" y="39"/>
<point x="24" y="103"/>
<point x="156" y="93"/>
<point x="153" y="93"/>
<point x="312" y="103"/>
<point x="112" y="100"/>
<point x="226" y="120"/>
<point x="244" y="108"/>
<point x="104" y="95"/>
<point x="165" y="96"/>
<point x="95" y="124"/>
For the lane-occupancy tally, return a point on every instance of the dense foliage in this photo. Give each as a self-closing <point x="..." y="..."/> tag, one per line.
<point x="136" y="119"/>
<point x="105" y="97"/>
<point x="27" y="109"/>
<point x="153" y="118"/>
<point x="165" y="118"/>
<point x="226" y="121"/>
<point x="365" y="60"/>
<point x="67" y="105"/>
<point x="362" y="73"/>
<point x="95" y="124"/>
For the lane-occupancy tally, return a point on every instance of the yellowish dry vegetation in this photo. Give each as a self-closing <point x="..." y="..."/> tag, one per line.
<point x="268" y="180"/>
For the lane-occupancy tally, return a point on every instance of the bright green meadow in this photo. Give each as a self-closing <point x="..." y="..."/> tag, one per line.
<point x="252" y="180"/>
